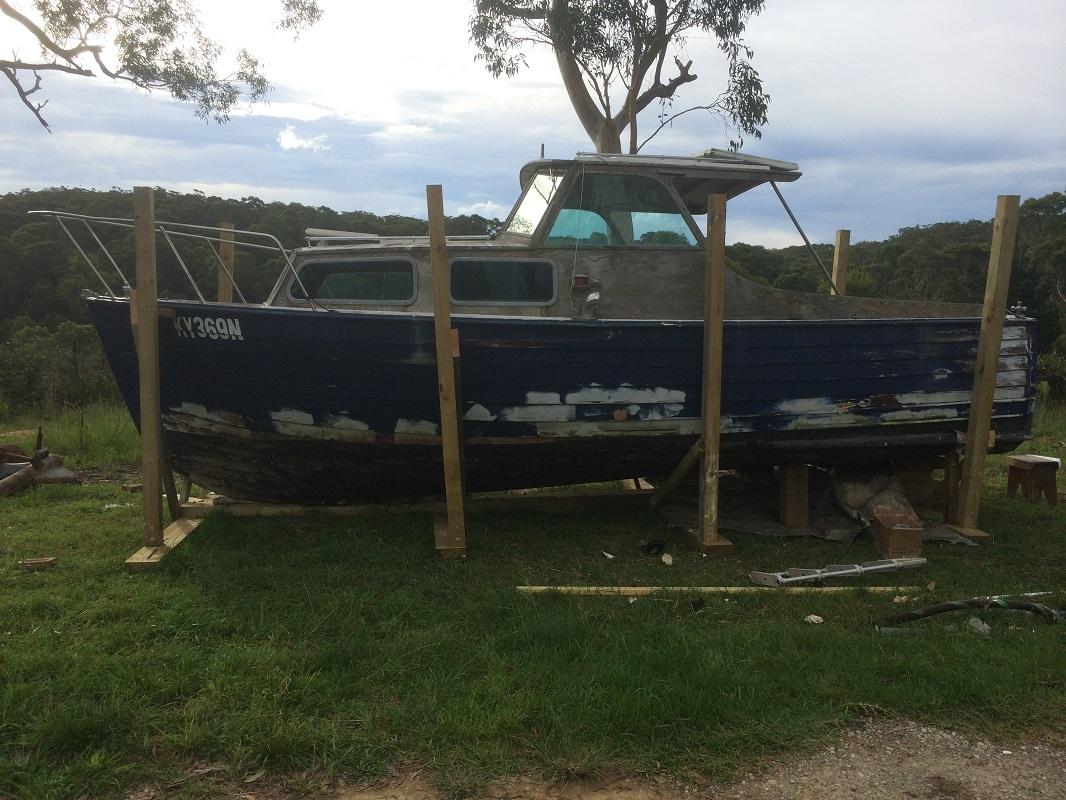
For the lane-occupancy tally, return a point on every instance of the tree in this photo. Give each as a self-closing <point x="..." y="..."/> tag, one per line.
<point x="601" y="45"/>
<point x="153" y="44"/>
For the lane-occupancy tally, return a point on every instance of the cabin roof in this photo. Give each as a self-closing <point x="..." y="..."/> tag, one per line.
<point x="710" y="172"/>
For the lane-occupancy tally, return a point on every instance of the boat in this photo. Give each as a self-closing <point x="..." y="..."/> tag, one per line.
<point x="580" y="329"/>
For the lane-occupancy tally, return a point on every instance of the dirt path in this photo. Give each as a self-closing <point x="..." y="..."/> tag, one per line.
<point x="877" y="760"/>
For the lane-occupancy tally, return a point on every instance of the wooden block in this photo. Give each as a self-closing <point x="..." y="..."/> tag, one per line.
<point x="897" y="536"/>
<point x="1036" y="475"/>
<point x="35" y="564"/>
<point x="442" y="538"/>
<point x="719" y="546"/>
<point x="794" y="495"/>
<point x="971" y="533"/>
<point x="149" y="557"/>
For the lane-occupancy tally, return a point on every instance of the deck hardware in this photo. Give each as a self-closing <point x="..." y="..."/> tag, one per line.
<point x="181" y="262"/>
<point x="806" y="241"/>
<point x="85" y="255"/>
<point x="800" y="575"/>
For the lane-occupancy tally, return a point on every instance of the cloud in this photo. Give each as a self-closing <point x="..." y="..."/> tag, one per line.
<point x="402" y="129"/>
<point x="289" y="139"/>
<point x="486" y="208"/>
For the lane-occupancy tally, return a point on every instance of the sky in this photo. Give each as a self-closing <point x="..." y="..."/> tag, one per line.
<point x="899" y="113"/>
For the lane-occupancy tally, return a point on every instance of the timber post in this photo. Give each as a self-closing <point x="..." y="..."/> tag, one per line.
<point x="155" y="466"/>
<point x="840" y="261"/>
<point x="226" y="257"/>
<point x="146" y="307"/>
<point x="708" y="539"/>
<point x="987" y="364"/>
<point x="450" y="536"/>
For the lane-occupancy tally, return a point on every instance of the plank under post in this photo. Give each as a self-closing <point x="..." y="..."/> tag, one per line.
<point x="449" y="532"/>
<point x="146" y="326"/>
<point x="226" y="256"/>
<point x="794" y="506"/>
<point x="708" y="539"/>
<point x="987" y="364"/>
<point x="840" y="261"/>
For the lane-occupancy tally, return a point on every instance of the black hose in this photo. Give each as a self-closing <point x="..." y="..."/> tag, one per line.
<point x="977" y="602"/>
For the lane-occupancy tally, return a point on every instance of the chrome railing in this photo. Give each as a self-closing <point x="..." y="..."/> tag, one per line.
<point x="171" y="231"/>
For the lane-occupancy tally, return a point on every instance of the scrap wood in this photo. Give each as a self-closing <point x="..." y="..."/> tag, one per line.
<point x="28" y="475"/>
<point x="34" y="564"/>
<point x="643" y="591"/>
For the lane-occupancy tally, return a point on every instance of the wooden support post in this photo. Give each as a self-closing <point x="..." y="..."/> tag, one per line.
<point x="450" y="537"/>
<point x="794" y="495"/>
<point x="146" y="306"/>
<point x="987" y="365"/>
<point x="840" y="261"/>
<point x="951" y="485"/>
<point x="708" y="539"/>
<point x="683" y="468"/>
<point x="225" y="252"/>
<point x="155" y="466"/>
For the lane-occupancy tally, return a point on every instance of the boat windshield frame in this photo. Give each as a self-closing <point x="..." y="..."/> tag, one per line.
<point x="537" y="234"/>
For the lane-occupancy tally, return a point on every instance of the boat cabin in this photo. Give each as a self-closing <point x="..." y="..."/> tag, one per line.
<point x="596" y="236"/>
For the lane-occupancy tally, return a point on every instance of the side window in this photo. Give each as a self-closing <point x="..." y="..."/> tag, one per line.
<point x="388" y="280"/>
<point x="620" y="211"/>
<point x="502" y="282"/>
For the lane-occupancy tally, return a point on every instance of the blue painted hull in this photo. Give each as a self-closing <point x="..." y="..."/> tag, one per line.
<point x="294" y="405"/>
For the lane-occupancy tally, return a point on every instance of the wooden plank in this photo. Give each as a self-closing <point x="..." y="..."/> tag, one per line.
<point x="147" y="338"/>
<point x="984" y="379"/>
<point x="149" y="557"/>
<point x="196" y="508"/>
<point x="644" y="591"/>
<point x="455" y="541"/>
<point x="840" y="261"/>
<point x="708" y="539"/>
<point x="37" y="564"/>
<point x="794" y="495"/>
<point x="683" y="468"/>
<point x="226" y="254"/>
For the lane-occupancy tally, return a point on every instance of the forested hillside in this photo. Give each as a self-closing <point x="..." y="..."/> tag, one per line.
<point x="49" y="357"/>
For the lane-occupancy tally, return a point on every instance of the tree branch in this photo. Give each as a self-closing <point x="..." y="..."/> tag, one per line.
<point x="24" y="94"/>
<point x="511" y="10"/>
<point x="47" y="67"/>
<point x="67" y="54"/>
<point x="664" y="91"/>
<point x="715" y="106"/>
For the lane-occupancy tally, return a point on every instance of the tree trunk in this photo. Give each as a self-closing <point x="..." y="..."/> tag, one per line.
<point x="607" y="139"/>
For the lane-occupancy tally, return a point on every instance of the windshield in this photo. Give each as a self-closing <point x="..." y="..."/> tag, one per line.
<point x="603" y="210"/>
<point x="534" y="203"/>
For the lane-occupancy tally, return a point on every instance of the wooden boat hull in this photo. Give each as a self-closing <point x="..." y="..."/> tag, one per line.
<point x="292" y="405"/>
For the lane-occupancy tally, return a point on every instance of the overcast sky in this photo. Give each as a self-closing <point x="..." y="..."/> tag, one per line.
<point x="899" y="113"/>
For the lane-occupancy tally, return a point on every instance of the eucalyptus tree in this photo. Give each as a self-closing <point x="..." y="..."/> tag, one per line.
<point x="618" y="57"/>
<point x="153" y="44"/>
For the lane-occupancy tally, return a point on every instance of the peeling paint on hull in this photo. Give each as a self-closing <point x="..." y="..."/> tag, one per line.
<point x="594" y="399"/>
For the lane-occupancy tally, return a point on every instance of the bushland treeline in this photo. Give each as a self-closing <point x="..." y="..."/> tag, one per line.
<point x="49" y="357"/>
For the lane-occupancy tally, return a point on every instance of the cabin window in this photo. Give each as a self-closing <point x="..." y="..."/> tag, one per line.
<point x="380" y="280"/>
<point x="534" y="203"/>
<point x="603" y="210"/>
<point x="496" y="282"/>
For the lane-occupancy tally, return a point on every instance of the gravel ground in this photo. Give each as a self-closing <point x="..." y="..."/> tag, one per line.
<point x="878" y="760"/>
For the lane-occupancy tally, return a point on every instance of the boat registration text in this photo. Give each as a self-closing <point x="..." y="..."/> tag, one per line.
<point x="208" y="328"/>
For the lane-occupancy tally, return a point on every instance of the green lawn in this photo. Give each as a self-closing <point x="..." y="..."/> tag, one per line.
<point x="347" y="646"/>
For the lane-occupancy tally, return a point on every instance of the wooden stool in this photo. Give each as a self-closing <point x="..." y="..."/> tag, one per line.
<point x="1035" y="474"/>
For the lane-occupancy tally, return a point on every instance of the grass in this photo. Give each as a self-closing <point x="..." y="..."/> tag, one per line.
<point x="101" y="434"/>
<point x="347" y="646"/>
